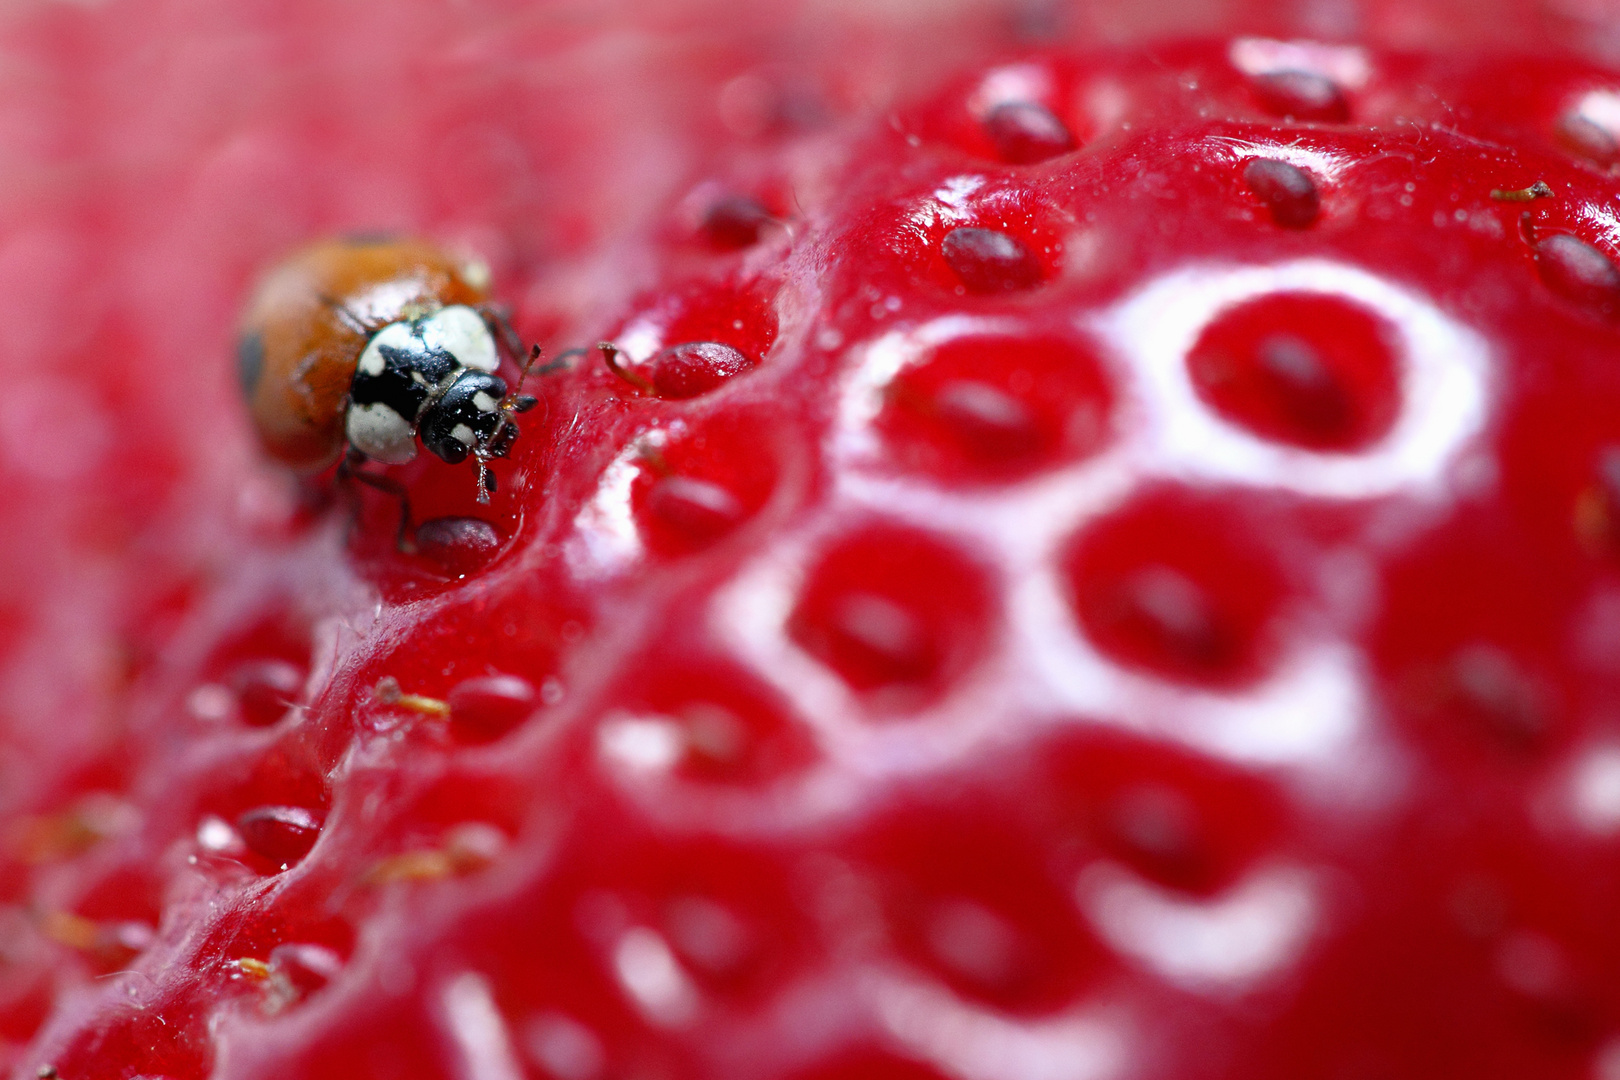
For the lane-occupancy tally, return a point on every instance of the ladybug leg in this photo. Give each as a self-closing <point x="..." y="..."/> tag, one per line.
<point x="349" y="469"/>
<point x="498" y="317"/>
<point x="561" y="362"/>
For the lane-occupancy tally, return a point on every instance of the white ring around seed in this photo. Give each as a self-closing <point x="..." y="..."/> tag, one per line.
<point x="1443" y="371"/>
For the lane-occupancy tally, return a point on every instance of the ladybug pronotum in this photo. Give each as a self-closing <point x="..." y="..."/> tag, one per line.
<point x="355" y="349"/>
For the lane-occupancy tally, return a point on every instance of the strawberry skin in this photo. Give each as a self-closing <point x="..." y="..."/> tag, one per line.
<point x="1108" y="569"/>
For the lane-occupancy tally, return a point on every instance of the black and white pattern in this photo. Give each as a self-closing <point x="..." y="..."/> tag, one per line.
<point x="408" y="373"/>
<point x="466" y="416"/>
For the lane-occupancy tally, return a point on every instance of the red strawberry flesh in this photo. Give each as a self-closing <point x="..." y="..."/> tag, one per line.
<point x="1088" y="563"/>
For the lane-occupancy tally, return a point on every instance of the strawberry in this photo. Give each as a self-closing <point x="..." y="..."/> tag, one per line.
<point x="1107" y="568"/>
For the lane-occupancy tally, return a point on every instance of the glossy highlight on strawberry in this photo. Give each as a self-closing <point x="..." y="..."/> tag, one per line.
<point x="1103" y="565"/>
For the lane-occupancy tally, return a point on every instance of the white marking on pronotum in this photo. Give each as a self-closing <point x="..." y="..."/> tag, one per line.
<point x="395" y="336"/>
<point x="478" y="1032"/>
<point x="381" y="433"/>
<point x="462" y="332"/>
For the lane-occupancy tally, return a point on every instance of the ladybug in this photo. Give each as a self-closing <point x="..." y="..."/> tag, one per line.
<point x="353" y="350"/>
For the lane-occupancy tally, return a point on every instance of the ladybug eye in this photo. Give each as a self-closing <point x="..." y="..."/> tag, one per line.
<point x="466" y="418"/>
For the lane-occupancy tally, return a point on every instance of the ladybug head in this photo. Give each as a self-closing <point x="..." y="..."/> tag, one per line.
<point x="473" y="417"/>
<point x="468" y="418"/>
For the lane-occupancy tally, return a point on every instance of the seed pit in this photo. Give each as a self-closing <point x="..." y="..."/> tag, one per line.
<point x="697" y="367"/>
<point x="458" y="546"/>
<point x="711" y="918"/>
<point x="1287" y="190"/>
<point x="1588" y="139"/>
<point x="973" y="902"/>
<point x="703" y="721"/>
<point x="1027" y="132"/>
<point x="1198" y="613"/>
<point x="711" y="938"/>
<point x="1301" y="95"/>
<point x="1177" y="818"/>
<point x="521" y="631"/>
<point x="989" y="261"/>
<point x="258" y="674"/>
<point x="1472" y="648"/>
<point x="266" y="689"/>
<point x="1578" y="271"/>
<point x="114" y="920"/>
<point x="1304" y="369"/>
<point x="1490" y="687"/>
<point x="303" y="967"/>
<point x="695" y="339"/>
<point x="893" y="613"/>
<point x="997" y="407"/>
<point x="1592" y="127"/>
<point x="874" y="632"/>
<point x="974" y="942"/>
<point x="485" y="708"/>
<point x="696" y="509"/>
<point x="705" y="482"/>
<point x="280" y="835"/>
<point x="734" y="222"/>
<point x="994" y="422"/>
<point x="1165" y="612"/>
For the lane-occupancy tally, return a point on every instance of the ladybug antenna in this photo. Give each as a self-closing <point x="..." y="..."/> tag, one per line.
<point x="498" y="317"/>
<point x="515" y="400"/>
<point x="523" y="376"/>
<point x="561" y="363"/>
